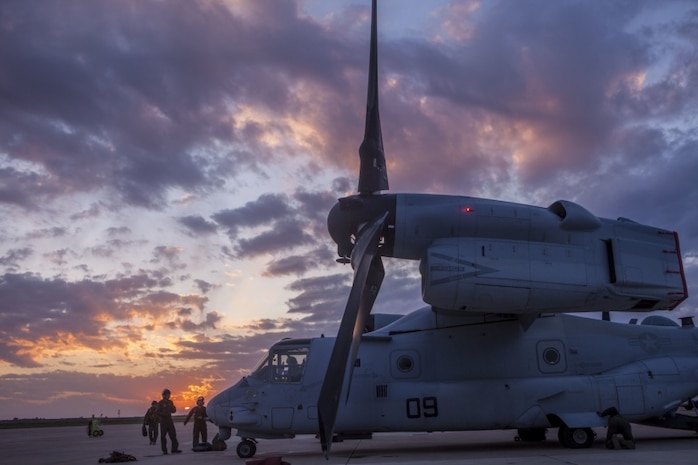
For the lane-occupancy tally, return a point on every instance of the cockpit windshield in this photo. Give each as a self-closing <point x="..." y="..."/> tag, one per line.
<point x="285" y="363"/>
<point x="260" y="366"/>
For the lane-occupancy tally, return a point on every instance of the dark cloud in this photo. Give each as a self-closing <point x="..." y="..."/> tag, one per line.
<point x="11" y="353"/>
<point x="94" y="211"/>
<point x="321" y="298"/>
<point x="116" y="231"/>
<point x="285" y="236"/>
<point x="204" y="286"/>
<point x="549" y="82"/>
<point x="557" y="72"/>
<point x="652" y="199"/>
<point x="198" y="224"/>
<point x="401" y="291"/>
<point x="169" y="255"/>
<point x="221" y="353"/>
<point x="13" y="257"/>
<point x="60" y="257"/>
<point x="313" y="207"/>
<point x="209" y="323"/>
<point x="53" y="232"/>
<point x="300" y="264"/>
<point x="21" y="188"/>
<point x="289" y="223"/>
<point x="266" y="209"/>
<point x="68" y="88"/>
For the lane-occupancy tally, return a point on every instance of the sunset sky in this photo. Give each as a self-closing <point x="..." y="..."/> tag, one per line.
<point x="166" y="167"/>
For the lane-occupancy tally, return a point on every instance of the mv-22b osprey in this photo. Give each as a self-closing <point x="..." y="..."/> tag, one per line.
<point x="493" y="349"/>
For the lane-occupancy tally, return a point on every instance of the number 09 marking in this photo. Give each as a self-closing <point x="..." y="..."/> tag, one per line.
<point x="426" y="407"/>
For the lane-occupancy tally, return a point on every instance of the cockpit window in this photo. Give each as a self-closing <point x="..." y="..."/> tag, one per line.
<point x="284" y="364"/>
<point x="261" y="369"/>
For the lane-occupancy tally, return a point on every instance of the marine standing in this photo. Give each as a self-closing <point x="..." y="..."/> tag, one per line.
<point x="199" y="414"/>
<point x="151" y="420"/>
<point x="165" y="410"/>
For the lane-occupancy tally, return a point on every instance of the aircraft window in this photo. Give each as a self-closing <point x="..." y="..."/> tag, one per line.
<point x="261" y="370"/>
<point x="405" y="364"/>
<point x="288" y="364"/>
<point x="282" y="364"/>
<point x="551" y="356"/>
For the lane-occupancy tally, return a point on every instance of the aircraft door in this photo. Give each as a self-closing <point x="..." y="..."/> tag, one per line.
<point x="285" y="369"/>
<point x="631" y="400"/>
<point x="608" y="395"/>
<point x="657" y="382"/>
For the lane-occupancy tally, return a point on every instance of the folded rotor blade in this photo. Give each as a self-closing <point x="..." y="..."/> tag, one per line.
<point x="368" y="276"/>
<point x="373" y="174"/>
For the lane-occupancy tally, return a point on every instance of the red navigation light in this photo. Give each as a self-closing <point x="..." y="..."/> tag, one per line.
<point x="467" y="210"/>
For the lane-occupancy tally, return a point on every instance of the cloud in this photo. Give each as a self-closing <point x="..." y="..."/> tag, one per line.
<point x="289" y="222"/>
<point x="266" y="209"/>
<point x="17" y="186"/>
<point x="300" y="264"/>
<point x="69" y="89"/>
<point x="322" y="298"/>
<point x="168" y="254"/>
<point x="71" y="315"/>
<point x="13" y="256"/>
<point x="198" y="224"/>
<point x="528" y="98"/>
<point x="210" y="323"/>
<point x="285" y="236"/>
<point x="204" y="286"/>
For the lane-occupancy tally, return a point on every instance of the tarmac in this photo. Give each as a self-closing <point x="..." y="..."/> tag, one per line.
<point x="72" y="446"/>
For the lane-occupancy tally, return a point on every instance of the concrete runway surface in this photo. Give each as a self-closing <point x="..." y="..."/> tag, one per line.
<point x="71" y="446"/>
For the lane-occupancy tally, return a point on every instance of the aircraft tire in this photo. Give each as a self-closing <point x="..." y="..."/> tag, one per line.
<point x="246" y="449"/>
<point x="576" y="438"/>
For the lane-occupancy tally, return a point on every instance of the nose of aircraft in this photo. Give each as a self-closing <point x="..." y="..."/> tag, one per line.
<point x="217" y="408"/>
<point x="234" y="407"/>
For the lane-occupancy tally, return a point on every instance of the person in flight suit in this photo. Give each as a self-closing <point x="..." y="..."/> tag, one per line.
<point x="618" y="425"/>
<point x="165" y="410"/>
<point x="152" y="422"/>
<point x="199" y="414"/>
<point x="94" y="427"/>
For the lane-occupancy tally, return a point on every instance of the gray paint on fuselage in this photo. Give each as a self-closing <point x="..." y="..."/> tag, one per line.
<point x="467" y="375"/>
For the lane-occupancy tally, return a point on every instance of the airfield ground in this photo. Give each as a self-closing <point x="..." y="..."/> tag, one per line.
<point x="70" y="446"/>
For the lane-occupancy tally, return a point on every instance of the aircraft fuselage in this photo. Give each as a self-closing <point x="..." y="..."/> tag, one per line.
<point x="433" y="372"/>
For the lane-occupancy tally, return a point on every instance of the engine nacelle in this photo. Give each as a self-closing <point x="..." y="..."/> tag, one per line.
<point x="627" y="272"/>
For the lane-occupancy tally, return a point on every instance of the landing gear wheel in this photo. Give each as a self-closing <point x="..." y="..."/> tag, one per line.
<point x="246" y="449"/>
<point x="576" y="438"/>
